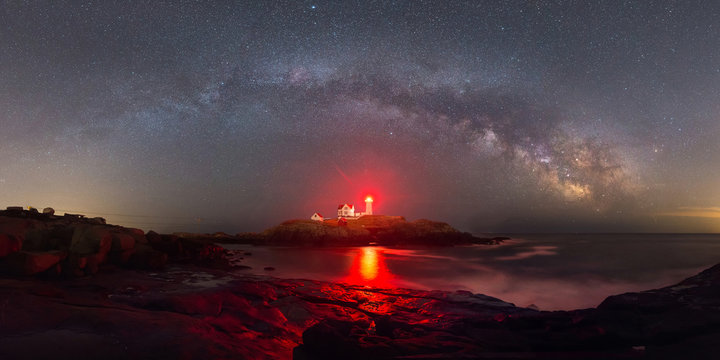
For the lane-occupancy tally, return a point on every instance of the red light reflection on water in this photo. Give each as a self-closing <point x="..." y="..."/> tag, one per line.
<point x="368" y="268"/>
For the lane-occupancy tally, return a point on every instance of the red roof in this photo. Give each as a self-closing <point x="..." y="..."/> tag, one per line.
<point x="319" y="214"/>
<point x="342" y="205"/>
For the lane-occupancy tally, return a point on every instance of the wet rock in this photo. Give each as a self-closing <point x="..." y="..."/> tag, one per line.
<point x="91" y="239"/>
<point x="153" y="237"/>
<point x="138" y="234"/>
<point x="31" y="263"/>
<point x="122" y="241"/>
<point x="75" y="265"/>
<point x="146" y="258"/>
<point x="202" y="250"/>
<point x="330" y="339"/>
<point x="169" y="244"/>
<point x="8" y="245"/>
<point x="23" y="229"/>
<point x="190" y="312"/>
<point x="93" y="263"/>
<point x="121" y="257"/>
<point x="48" y="211"/>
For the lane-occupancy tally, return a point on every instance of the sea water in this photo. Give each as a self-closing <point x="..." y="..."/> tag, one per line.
<point x="550" y="271"/>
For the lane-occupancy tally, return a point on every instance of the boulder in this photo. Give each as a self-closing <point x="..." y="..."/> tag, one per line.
<point x="122" y="241"/>
<point x="91" y="239"/>
<point x="96" y="221"/>
<point x="30" y="263"/>
<point x="75" y="265"/>
<point x="153" y="237"/>
<point x="146" y="258"/>
<point x="203" y="251"/>
<point x="121" y="257"/>
<point x="40" y="240"/>
<point x="48" y="211"/>
<point x="342" y="339"/>
<point x="138" y="234"/>
<point x="8" y="245"/>
<point x="169" y="244"/>
<point x="22" y="228"/>
<point x="93" y="263"/>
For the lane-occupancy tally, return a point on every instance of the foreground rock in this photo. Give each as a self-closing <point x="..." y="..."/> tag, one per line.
<point x="140" y="308"/>
<point x="42" y="244"/>
<point x="680" y="321"/>
<point x="190" y="312"/>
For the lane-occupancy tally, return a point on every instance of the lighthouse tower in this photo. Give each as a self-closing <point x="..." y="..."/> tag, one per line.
<point x="368" y="205"/>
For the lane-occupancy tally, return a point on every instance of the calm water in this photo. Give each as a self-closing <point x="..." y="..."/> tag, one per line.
<point x="551" y="271"/>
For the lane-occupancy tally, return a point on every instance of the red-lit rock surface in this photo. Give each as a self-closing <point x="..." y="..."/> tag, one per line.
<point x="186" y="312"/>
<point x="102" y="291"/>
<point x="32" y="243"/>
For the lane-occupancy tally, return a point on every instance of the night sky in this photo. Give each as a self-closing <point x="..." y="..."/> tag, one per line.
<point x="514" y="116"/>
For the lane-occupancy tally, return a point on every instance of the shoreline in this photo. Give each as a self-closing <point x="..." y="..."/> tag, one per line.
<point x="156" y="313"/>
<point x="80" y="288"/>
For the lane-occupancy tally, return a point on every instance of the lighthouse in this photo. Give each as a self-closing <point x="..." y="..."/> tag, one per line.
<point x="368" y="205"/>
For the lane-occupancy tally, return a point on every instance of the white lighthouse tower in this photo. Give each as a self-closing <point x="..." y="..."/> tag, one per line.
<point x="368" y="205"/>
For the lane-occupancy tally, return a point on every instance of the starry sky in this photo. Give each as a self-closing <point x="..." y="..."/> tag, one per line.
<point x="513" y="116"/>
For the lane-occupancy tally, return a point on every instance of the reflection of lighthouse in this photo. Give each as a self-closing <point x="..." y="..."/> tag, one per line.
<point x="368" y="206"/>
<point x="368" y="268"/>
<point x="368" y="264"/>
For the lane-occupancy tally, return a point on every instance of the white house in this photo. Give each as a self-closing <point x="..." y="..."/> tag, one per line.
<point x="345" y="210"/>
<point x="317" y="217"/>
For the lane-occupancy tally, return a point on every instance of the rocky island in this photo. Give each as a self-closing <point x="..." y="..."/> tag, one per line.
<point x="72" y="287"/>
<point x="366" y="230"/>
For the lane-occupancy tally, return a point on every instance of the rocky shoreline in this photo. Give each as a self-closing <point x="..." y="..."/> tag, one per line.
<point x="73" y="245"/>
<point x="187" y="311"/>
<point x="174" y="296"/>
<point x="46" y="245"/>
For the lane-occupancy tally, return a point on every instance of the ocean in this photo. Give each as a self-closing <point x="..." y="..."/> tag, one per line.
<point x="549" y="271"/>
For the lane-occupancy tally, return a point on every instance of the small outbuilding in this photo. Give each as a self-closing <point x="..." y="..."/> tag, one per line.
<point x="317" y="217"/>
